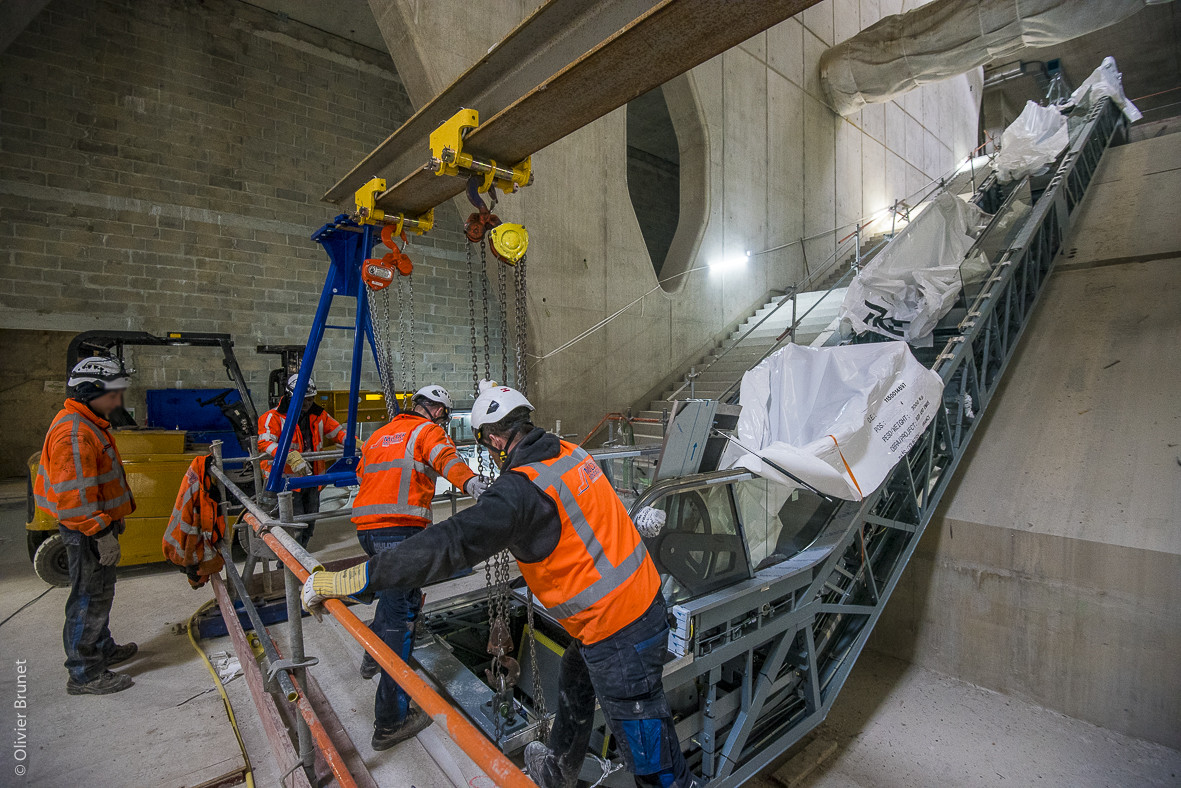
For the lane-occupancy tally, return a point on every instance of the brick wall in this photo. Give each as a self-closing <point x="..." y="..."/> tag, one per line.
<point x="161" y="166"/>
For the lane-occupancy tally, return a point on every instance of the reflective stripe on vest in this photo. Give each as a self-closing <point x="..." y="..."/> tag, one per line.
<point x="549" y="475"/>
<point x="406" y="465"/>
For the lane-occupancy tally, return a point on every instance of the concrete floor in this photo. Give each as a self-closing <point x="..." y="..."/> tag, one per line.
<point x="895" y="724"/>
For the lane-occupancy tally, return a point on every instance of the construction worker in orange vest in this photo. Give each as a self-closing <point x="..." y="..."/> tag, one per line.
<point x="585" y="562"/>
<point x="81" y="483"/>
<point x="398" y="468"/>
<point x="315" y="427"/>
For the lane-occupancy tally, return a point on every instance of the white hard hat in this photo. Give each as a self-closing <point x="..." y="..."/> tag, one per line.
<point x="102" y="373"/>
<point x="435" y="394"/>
<point x="496" y="402"/>
<point x="291" y="381"/>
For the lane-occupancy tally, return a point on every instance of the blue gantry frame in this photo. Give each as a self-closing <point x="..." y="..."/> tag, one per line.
<point x="348" y="245"/>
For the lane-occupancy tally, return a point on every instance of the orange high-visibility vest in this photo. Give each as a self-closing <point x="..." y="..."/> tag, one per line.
<point x="399" y="465"/>
<point x="270" y="427"/>
<point x="599" y="578"/>
<point x="80" y="481"/>
<point x="196" y="525"/>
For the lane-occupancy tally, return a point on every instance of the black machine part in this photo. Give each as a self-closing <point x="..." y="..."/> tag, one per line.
<point x="290" y="359"/>
<point x="108" y="343"/>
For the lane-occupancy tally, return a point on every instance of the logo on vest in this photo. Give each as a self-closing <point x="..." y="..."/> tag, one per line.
<point x="390" y="440"/>
<point x="588" y="472"/>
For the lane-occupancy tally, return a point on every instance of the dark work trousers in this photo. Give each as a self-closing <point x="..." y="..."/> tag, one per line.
<point x="624" y="671"/>
<point x="394" y="620"/>
<point x="305" y="501"/>
<point x="87" y="636"/>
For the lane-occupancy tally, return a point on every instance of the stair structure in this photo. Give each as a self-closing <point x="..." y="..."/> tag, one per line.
<point x="815" y="315"/>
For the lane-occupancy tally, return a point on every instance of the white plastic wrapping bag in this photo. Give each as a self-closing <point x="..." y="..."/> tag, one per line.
<point x="838" y="418"/>
<point x="1105" y="81"/>
<point x="914" y="280"/>
<point x="1031" y="142"/>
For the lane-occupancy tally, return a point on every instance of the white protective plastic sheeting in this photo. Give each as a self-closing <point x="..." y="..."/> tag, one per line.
<point x="944" y="38"/>
<point x="914" y="280"/>
<point x="1031" y="142"/>
<point x="838" y="418"/>
<point x="1105" y="81"/>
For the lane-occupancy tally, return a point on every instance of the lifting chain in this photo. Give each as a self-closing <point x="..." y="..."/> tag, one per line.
<point x="502" y="295"/>
<point x="522" y="328"/>
<point x="383" y="345"/>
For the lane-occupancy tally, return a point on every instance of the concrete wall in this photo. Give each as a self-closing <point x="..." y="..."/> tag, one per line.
<point x="161" y="169"/>
<point x="780" y="164"/>
<point x="1051" y="571"/>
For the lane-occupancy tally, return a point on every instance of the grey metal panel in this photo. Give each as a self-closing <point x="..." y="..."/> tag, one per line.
<point x="685" y="438"/>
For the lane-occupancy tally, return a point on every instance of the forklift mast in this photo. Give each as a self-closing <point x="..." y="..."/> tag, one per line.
<point x="108" y="343"/>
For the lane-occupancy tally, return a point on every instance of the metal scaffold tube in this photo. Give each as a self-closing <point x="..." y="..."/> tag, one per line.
<point x="297" y="561"/>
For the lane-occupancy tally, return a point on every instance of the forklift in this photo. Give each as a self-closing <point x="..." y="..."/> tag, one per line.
<point x="155" y="460"/>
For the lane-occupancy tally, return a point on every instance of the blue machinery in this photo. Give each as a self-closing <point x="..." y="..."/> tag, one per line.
<point x="773" y="608"/>
<point x="348" y="245"/>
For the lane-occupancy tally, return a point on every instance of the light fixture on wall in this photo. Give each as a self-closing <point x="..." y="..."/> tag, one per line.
<point x="729" y="263"/>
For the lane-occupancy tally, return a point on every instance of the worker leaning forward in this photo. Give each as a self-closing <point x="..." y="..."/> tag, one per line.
<point x="399" y="464"/>
<point x="314" y="428"/>
<point x="82" y="485"/>
<point x="586" y="564"/>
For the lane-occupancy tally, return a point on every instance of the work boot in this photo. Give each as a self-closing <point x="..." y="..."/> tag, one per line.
<point x="369" y="667"/>
<point x="415" y="723"/>
<point x="122" y="654"/>
<point x="542" y="766"/>
<point x="107" y="683"/>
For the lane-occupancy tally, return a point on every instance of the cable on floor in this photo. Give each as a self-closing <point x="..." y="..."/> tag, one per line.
<point x="220" y="688"/>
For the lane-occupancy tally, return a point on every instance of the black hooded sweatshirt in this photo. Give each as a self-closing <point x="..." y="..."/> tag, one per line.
<point x="512" y="514"/>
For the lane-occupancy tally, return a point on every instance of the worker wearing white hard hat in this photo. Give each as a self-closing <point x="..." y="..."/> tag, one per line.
<point x="399" y="465"/>
<point x="586" y="564"/>
<point x="315" y="428"/>
<point x="82" y="484"/>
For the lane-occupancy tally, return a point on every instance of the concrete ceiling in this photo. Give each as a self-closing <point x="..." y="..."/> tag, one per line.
<point x="348" y="19"/>
<point x="1146" y="47"/>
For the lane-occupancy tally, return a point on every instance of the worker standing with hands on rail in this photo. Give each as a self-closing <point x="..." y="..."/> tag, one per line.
<point x="82" y="484"/>
<point x="315" y="427"/>
<point x="399" y="464"/>
<point x="584" y="560"/>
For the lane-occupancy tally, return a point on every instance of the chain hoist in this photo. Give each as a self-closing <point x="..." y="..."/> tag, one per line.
<point x="508" y="243"/>
<point x="378" y="274"/>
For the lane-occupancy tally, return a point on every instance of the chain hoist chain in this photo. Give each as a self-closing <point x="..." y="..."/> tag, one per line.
<point x="522" y="330"/>
<point x="410" y="329"/>
<point x="471" y="313"/>
<point x="402" y="380"/>
<point x="502" y="294"/>
<point x="484" y="297"/>
<point x="538" y="694"/>
<point x="381" y="342"/>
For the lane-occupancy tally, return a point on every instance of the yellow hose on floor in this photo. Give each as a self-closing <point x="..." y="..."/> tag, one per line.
<point x="220" y="688"/>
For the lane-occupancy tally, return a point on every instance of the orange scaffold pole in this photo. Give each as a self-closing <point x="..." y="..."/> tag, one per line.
<point x="494" y="763"/>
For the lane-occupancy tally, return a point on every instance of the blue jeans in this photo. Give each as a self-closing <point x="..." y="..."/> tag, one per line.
<point x="624" y="671"/>
<point x="86" y="635"/>
<point x="397" y="611"/>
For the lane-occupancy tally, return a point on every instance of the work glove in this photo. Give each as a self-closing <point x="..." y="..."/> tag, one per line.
<point x="475" y="487"/>
<point x="108" y="548"/>
<point x="649" y="521"/>
<point x="323" y="585"/>
<point x="298" y="465"/>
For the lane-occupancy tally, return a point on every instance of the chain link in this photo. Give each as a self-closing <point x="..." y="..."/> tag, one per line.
<point x="381" y="341"/>
<point x="411" y="329"/>
<point x="484" y="297"/>
<point x="522" y="330"/>
<point x="502" y="295"/>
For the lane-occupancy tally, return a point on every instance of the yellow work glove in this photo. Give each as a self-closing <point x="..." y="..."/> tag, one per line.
<point x="298" y="465"/>
<point x="323" y="585"/>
